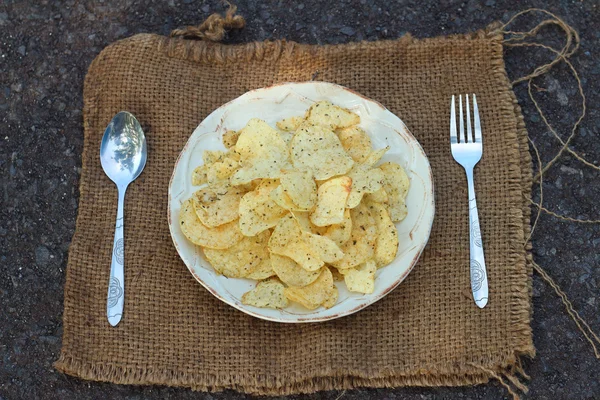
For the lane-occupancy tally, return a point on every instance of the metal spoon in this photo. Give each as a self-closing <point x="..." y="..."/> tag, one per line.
<point x="123" y="157"/>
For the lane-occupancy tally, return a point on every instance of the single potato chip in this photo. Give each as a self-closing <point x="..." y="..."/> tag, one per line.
<point x="230" y="138"/>
<point x="304" y="220"/>
<point x="283" y="200"/>
<point x="200" y="175"/>
<point x="396" y="184"/>
<point x="262" y="169"/>
<point x="386" y="245"/>
<point x="246" y="257"/>
<point x="300" y="187"/>
<point x="218" y="205"/>
<point x="266" y="294"/>
<point x="325" y="248"/>
<point x="258" y="140"/>
<point x="326" y="114"/>
<point x="315" y="294"/>
<point x="340" y="233"/>
<point x="362" y="278"/>
<point x="263" y="153"/>
<point x="258" y="211"/>
<point x="379" y="196"/>
<point x="291" y="273"/>
<point x="361" y="246"/>
<point x="330" y="302"/>
<point x="356" y="142"/>
<point x="290" y="124"/>
<point x="221" y="170"/>
<point x="318" y="150"/>
<point x="263" y="271"/>
<point x="212" y="156"/>
<point x="220" y="237"/>
<point x="286" y="136"/>
<point x="331" y="201"/>
<point x="288" y="240"/>
<point x="375" y="156"/>
<point x="364" y="180"/>
<point x="337" y="276"/>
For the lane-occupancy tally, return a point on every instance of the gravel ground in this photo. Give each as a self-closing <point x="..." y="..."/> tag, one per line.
<point x="45" y="49"/>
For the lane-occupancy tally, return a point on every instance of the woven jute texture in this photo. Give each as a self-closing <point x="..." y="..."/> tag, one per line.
<point x="428" y="331"/>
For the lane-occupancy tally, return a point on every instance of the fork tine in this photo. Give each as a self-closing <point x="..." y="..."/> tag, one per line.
<point x="452" y="121"/>
<point x="462" y="122"/>
<point x="476" y="121"/>
<point x="469" y="132"/>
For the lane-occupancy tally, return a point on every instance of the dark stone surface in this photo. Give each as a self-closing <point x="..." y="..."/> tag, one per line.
<point x="45" y="49"/>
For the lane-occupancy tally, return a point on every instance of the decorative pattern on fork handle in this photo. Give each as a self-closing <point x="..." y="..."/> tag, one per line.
<point x="467" y="151"/>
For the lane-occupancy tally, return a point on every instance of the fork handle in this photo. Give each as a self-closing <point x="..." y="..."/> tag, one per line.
<point x="479" y="281"/>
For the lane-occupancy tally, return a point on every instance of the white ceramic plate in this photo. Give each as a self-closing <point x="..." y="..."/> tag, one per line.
<point x="273" y="104"/>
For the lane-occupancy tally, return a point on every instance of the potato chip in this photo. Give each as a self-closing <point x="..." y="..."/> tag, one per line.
<point x="263" y="271"/>
<point x="291" y="273"/>
<point x="379" y="196"/>
<point x="286" y="136"/>
<point x="262" y="169"/>
<point x="233" y="155"/>
<point x="245" y="257"/>
<point x="315" y="294"/>
<point x="290" y="124"/>
<point x="300" y="187"/>
<point x="199" y="176"/>
<point x="269" y="294"/>
<point x="212" y="156"/>
<point x="303" y="220"/>
<point x="221" y="237"/>
<point x="258" y="211"/>
<point x="326" y="114"/>
<point x="331" y="201"/>
<point x="263" y="153"/>
<point x="325" y="248"/>
<point x="221" y="170"/>
<point x="288" y="240"/>
<point x="362" y="278"/>
<point x="218" y="205"/>
<point x="337" y="276"/>
<point x="356" y="142"/>
<point x="340" y="233"/>
<point x="375" y="156"/>
<point x="364" y="180"/>
<point x="361" y="246"/>
<point x="230" y="138"/>
<point x="330" y="302"/>
<point x="282" y="199"/>
<point x="396" y="184"/>
<point x="318" y="149"/>
<point x="258" y="140"/>
<point x="386" y="245"/>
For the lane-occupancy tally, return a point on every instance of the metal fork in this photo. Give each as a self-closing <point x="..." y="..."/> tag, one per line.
<point x="468" y="153"/>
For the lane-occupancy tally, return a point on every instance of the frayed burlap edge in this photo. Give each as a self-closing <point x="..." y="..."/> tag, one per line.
<point x="478" y="371"/>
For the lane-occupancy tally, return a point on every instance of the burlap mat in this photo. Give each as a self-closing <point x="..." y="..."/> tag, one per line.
<point x="426" y="332"/>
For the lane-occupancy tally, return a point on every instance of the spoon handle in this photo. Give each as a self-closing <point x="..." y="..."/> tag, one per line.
<point x="116" y="284"/>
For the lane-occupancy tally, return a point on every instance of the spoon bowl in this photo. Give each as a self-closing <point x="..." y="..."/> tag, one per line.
<point x="123" y="149"/>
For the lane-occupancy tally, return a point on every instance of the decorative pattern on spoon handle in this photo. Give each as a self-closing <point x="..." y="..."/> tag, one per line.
<point x="116" y="285"/>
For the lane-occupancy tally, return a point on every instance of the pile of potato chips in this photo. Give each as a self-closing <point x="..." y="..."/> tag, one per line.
<point x="297" y="207"/>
